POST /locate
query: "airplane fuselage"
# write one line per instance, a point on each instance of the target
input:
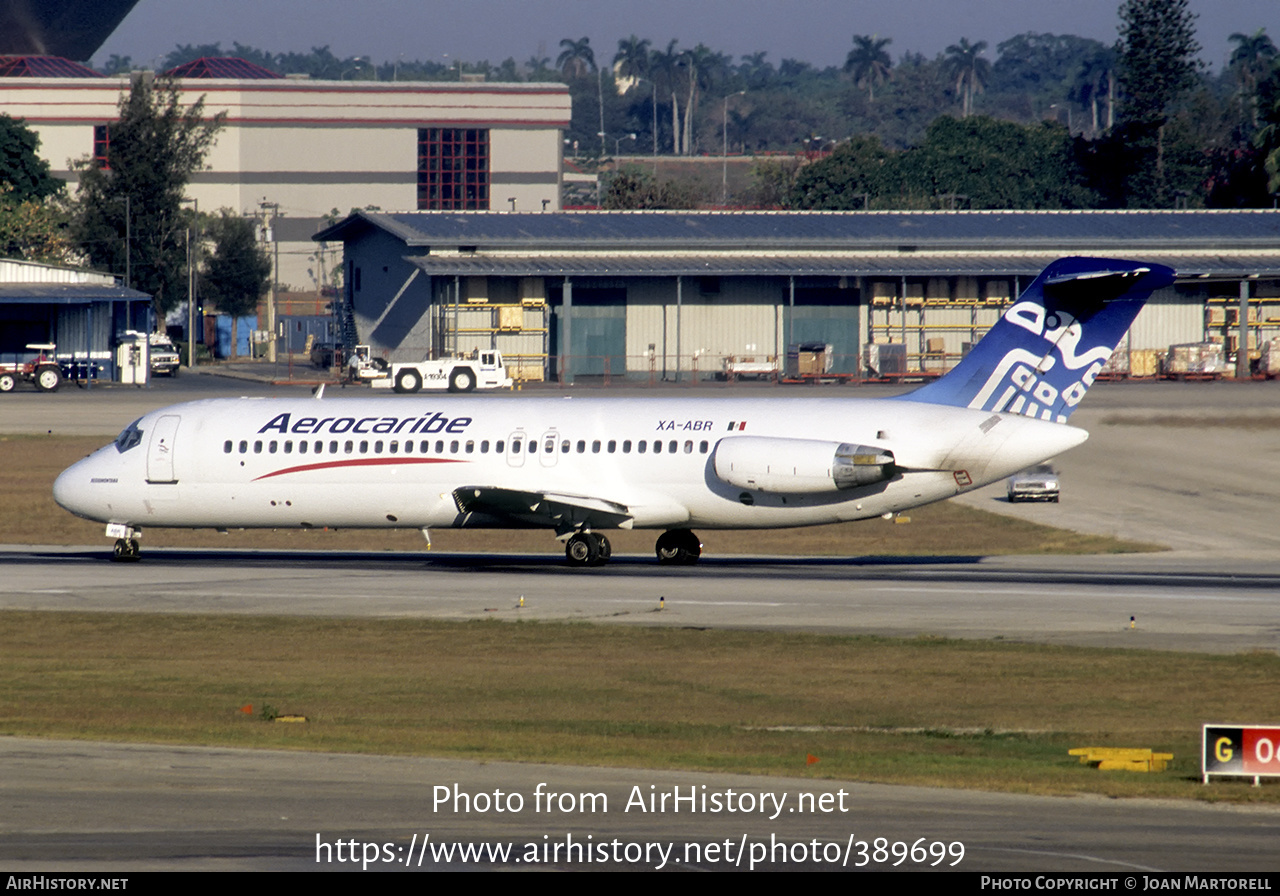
(397, 462)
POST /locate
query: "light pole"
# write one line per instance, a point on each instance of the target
(724, 150)
(617, 141)
(193, 254)
(270, 233)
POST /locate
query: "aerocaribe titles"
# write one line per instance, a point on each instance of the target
(426, 423)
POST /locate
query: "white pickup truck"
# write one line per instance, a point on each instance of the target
(480, 370)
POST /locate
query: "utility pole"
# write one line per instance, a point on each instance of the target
(269, 233)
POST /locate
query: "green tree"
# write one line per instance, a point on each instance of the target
(969, 70)
(1251, 61)
(33, 229)
(128, 215)
(848, 179)
(236, 273)
(1157, 65)
(21, 168)
(1158, 52)
(982, 163)
(576, 59)
(631, 188)
(869, 63)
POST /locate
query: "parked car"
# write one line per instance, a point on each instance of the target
(164, 355)
(1038, 483)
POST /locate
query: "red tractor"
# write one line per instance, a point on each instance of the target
(42, 371)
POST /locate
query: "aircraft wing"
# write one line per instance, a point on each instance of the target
(565, 512)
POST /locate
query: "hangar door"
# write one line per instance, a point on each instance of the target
(598, 331)
(828, 316)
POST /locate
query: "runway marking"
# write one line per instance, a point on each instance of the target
(1083, 593)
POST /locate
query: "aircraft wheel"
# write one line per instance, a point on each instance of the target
(679, 547)
(408, 381)
(127, 550)
(48, 378)
(582, 550)
(7, 382)
(463, 379)
(604, 550)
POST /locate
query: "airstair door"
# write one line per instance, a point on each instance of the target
(160, 449)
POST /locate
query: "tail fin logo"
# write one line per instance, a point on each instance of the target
(1028, 391)
(1048, 348)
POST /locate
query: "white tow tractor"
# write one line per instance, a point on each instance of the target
(479, 370)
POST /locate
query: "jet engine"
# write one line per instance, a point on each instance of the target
(800, 466)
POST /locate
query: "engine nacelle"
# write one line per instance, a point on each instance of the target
(799, 466)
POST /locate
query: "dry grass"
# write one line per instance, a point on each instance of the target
(871, 709)
(28, 515)
(1249, 422)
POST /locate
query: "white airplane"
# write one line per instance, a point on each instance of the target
(583, 466)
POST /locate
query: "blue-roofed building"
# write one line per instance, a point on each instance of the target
(678, 294)
(88, 316)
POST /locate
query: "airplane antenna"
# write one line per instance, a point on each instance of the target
(319, 392)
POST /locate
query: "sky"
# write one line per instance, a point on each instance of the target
(815, 31)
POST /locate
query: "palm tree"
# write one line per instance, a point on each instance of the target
(869, 62)
(665, 67)
(537, 67)
(1095, 80)
(1252, 59)
(701, 65)
(755, 71)
(576, 59)
(965, 63)
(631, 62)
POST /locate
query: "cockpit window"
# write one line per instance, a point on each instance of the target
(130, 437)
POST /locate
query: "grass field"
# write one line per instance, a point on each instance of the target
(978, 715)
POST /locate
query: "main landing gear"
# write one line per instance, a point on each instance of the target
(679, 547)
(588, 549)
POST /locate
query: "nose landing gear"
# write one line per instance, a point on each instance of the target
(127, 549)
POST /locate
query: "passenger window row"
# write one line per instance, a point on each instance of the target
(379, 446)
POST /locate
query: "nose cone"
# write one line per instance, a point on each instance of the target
(78, 490)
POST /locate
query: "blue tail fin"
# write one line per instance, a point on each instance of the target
(1045, 351)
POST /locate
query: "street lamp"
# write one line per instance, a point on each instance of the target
(618, 141)
(193, 254)
(724, 150)
(270, 232)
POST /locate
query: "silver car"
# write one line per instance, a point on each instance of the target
(1038, 483)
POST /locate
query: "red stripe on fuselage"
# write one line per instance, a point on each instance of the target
(360, 462)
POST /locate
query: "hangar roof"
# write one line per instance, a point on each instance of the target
(67, 293)
(912, 265)
(917, 244)
(1013, 231)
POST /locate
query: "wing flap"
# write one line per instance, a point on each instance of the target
(564, 512)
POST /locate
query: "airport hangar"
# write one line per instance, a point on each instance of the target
(295, 149)
(583, 296)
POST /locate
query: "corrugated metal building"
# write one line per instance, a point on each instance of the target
(672, 294)
(85, 314)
